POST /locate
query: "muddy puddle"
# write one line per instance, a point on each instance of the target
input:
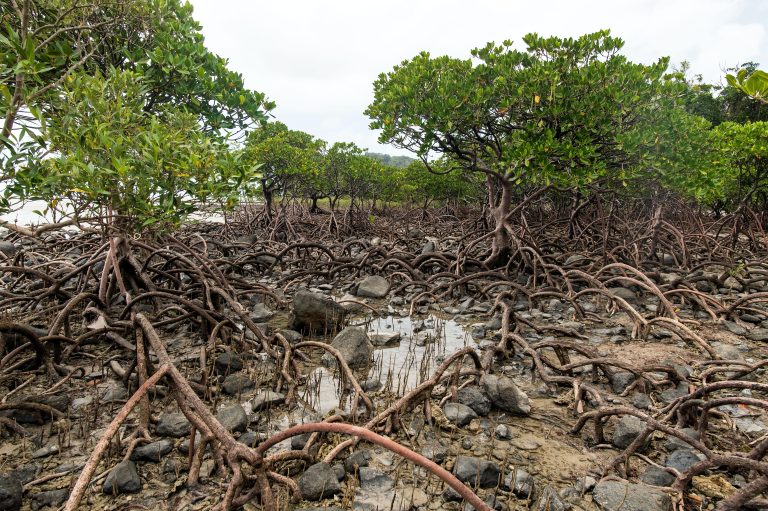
(419, 345)
(423, 345)
(400, 366)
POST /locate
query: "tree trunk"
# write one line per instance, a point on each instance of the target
(267, 200)
(501, 248)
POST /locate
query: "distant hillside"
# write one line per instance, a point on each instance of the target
(394, 161)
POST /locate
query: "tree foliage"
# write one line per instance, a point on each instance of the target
(179, 70)
(286, 159)
(45, 43)
(743, 161)
(556, 112)
(128, 105)
(752, 82)
(115, 159)
(440, 182)
(388, 159)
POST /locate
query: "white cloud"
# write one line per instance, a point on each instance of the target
(318, 60)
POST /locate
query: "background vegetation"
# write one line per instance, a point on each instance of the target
(118, 111)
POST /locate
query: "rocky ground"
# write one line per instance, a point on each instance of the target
(508, 434)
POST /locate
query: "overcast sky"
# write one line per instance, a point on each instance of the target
(318, 58)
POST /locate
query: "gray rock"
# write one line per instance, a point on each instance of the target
(264, 328)
(267, 399)
(266, 260)
(758, 334)
(171, 468)
(683, 459)
(614, 495)
(623, 292)
(520, 482)
(641, 401)
(10, 492)
(575, 259)
(45, 451)
(492, 501)
(668, 260)
(451, 495)
(728, 351)
(628, 428)
(617, 330)
(385, 339)
(298, 442)
(357, 460)
(26, 472)
(402, 499)
(355, 348)
(734, 328)
(673, 443)
(476, 471)
(81, 402)
(656, 476)
(669, 395)
(466, 304)
(318, 482)
(502, 432)
(477, 331)
(428, 247)
(261, 314)
(371, 385)
(474, 397)
(292, 336)
(173, 425)
(183, 447)
(739, 481)
(237, 384)
(352, 303)
(341, 474)
(153, 451)
(435, 451)
(526, 444)
(248, 239)
(115, 392)
(7, 248)
(423, 338)
(374, 480)
(621, 380)
(493, 324)
(458, 413)
(58, 401)
(584, 484)
(122, 479)
(251, 438)
(750, 426)
(373, 287)
(549, 500)
(314, 312)
(233, 418)
(228, 363)
(505, 395)
(50, 498)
